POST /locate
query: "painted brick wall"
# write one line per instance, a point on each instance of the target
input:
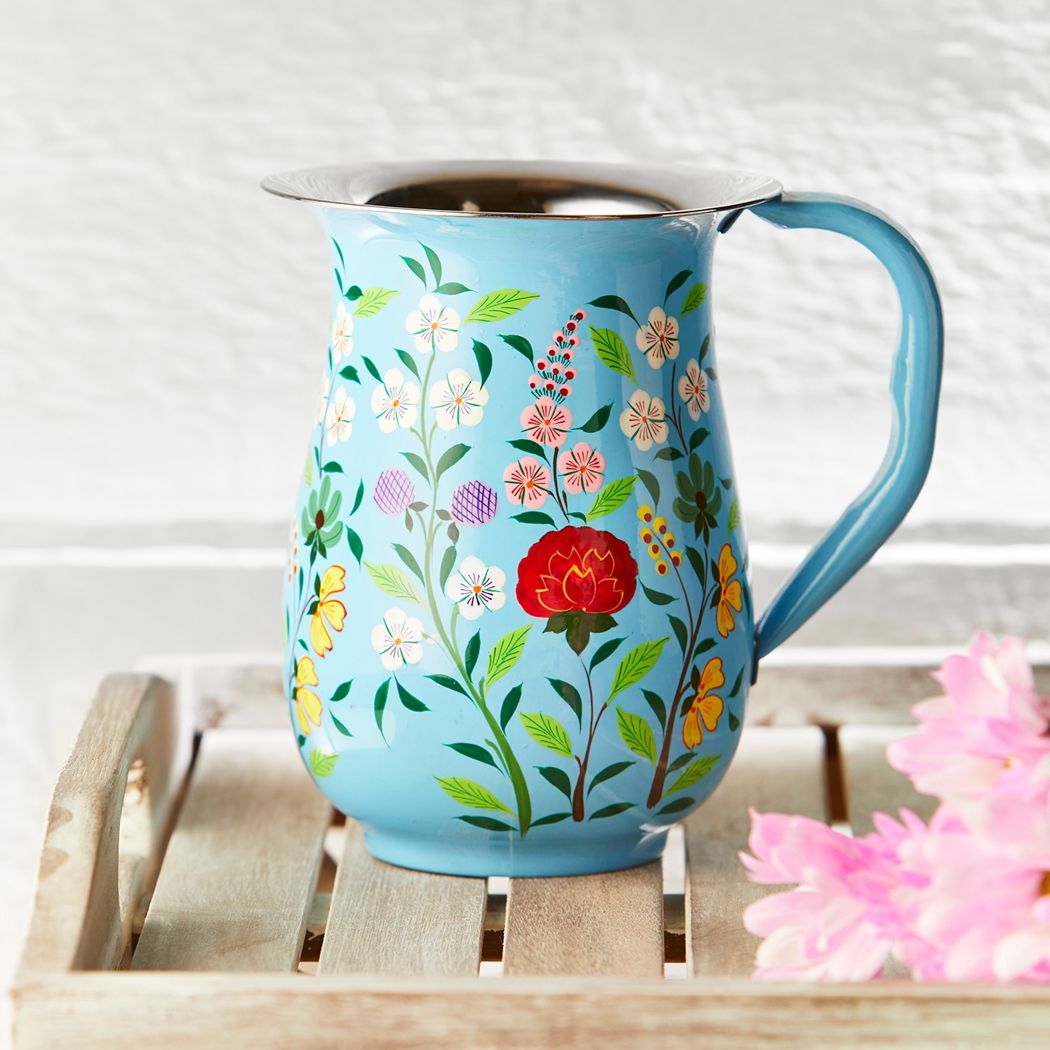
(163, 321)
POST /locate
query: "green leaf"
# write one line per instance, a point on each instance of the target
(447, 682)
(657, 597)
(733, 521)
(450, 457)
(604, 651)
(551, 818)
(416, 267)
(636, 665)
(558, 777)
(380, 704)
(408, 361)
(483, 356)
(358, 496)
(521, 344)
(675, 806)
(451, 288)
(656, 705)
(393, 581)
(669, 454)
(321, 763)
(676, 282)
(353, 293)
(474, 751)
(571, 695)
(598, 420)
(651, 484)
(339, 725)
(342, 692)
(613, 302)
(510, 705)
(736, 685)
(694, 772)
(703, 645)
(339, 252)
(534, 517)
(734, 722)
(682, 760)
(338, 280)
(409, 559)
(373, 300)
(301, 739)
(409, 700)
(704, 347)
(696, 560)
(331, 467)
(357, 548)
(470, 793)
(611, 811)
(608, 773)
(349, 372)
(505, 654)
(611, 496)
(500, 304)
(636, 734)
(525, 445)
(697, 438)
(471, 653)
(418, 462)
(434, 261)
(694, 298)
(548, 732)
(372, 370)
(680, 632)
(448, 563)
(488, 824)
(612, 351)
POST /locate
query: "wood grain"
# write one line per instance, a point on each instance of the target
(129, 1011)
(238, 878)
(774, 769)
(871, 783)
(104, 836)
(599, 925)
(387, 920)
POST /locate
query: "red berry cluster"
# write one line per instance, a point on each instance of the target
(555, 372)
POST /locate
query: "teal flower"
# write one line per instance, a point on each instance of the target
(320, 525)
(699, 497)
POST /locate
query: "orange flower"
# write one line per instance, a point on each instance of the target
(706, 706)
(731, 594)
(307, 703)
(327, 609)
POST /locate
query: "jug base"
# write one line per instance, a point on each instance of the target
(512, 857)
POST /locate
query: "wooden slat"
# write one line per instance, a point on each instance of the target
(871, 783)
(129, 1011)
(104, 836)
(778, 770)
(387, 920)
(599, 925)
(238, 877)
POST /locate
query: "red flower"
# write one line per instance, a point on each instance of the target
(576, 570)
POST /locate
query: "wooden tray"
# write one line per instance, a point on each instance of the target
(197, 891)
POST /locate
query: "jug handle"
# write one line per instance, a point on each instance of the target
(914, 388)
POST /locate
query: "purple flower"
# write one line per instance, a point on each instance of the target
(473, 503)
(393, 491)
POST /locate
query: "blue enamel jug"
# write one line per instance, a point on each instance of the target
(519, 630)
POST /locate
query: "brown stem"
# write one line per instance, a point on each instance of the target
(592, 724)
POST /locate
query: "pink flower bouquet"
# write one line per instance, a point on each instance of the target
(965, 897)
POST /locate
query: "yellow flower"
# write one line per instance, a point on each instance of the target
(307, 702)
(645, 513)
(327, 609)
(647, 536)
(706, 706)
(676, 558)
(661, 567)
(731, 595)
(655, 550)
(660, 524)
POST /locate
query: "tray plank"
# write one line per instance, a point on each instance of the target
(774, 769)
(607, 925)
(387, 920)
(239, 874)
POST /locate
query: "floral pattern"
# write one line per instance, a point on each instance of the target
(649, 712)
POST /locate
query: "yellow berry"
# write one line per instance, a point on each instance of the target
(676, 557)
(660, 524)
(661, 567)
(645, 512)
(647, 536)
(669, 540)
(654, 550)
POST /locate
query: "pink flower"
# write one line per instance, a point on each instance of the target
(583, 468)
(546, 422)
(528, 481)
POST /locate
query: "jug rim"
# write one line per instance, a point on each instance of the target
(548, 190)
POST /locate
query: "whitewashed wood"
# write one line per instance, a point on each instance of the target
(100, 848)
(238, 878)
(129, 1011)
(607, 925)
(387, 920)
(774, 770)
(871, 783)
